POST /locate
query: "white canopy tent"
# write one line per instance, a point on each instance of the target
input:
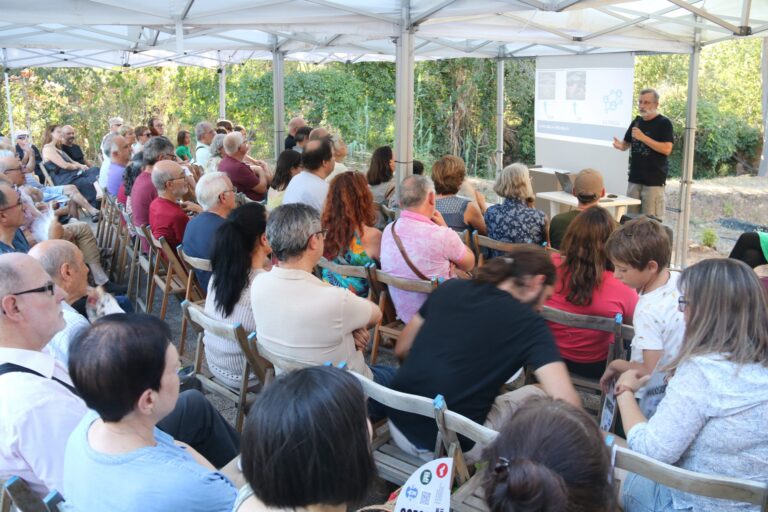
(112, 34)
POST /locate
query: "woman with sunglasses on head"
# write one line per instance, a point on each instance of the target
(713, 416)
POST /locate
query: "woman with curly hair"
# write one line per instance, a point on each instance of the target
(350, 239)
(586, 286)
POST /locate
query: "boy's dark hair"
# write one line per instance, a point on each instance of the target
(116, 359)
(306, 440)
(302, 133)
(418, 167)
(638, 242)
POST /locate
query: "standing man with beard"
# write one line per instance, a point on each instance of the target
(650, 136)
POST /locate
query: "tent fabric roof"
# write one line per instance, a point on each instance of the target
(207, 33)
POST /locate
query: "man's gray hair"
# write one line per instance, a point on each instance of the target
(289, 229)
(106, 143)
(5, 187)
(114, 147)
(210, 186)
(217, 143)
(414, 190)
(10, 277)
(115, 120)
(161, 177)
(156, 148)
(651, 91)
(232, 142)
(55, 255)
(201, 128)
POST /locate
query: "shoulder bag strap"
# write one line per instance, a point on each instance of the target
(408, 261)
(11, 368)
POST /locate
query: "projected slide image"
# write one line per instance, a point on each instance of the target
(590, 105)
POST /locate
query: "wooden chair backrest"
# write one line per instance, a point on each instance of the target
(23, 497)
(233, 332)
(380, 281)
(48, 180)
(598, 323)
(344, 270)
(701, 484)
(405, 402)
(196, 263)
(481, 242)
(388, 213)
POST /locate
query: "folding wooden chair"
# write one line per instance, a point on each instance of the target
(481, 242)
(389, 327)
(712, 486)
(173, 280)
(263, 369)
(344, 270)
(146, 264)
(394, 464)
(48, 180)
(191, 264)
(25, 499)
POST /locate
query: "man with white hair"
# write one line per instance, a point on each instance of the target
(114, 125)
(293, 125)
(41, 407)
(216, 195)
(204, 134)
(250, 180)
(168, 213)
(120, 155)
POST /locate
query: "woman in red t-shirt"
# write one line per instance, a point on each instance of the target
(586, 286)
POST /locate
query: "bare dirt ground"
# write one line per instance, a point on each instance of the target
(727, 206)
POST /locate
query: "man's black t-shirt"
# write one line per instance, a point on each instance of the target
(474, 337)
(646, 166)
(75, 153)
(290, 142)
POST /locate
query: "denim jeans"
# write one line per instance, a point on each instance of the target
(381, 375)
(643, 495)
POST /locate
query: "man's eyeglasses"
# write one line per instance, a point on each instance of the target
(322, 233)
(183, 176)
(18, 203)
(21, 137)
(681, 303)
(14, 169)
(48, 287)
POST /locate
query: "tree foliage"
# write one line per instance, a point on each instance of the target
(455, 103)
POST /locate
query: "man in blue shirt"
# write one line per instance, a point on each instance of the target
(216, 195)
(11, 219)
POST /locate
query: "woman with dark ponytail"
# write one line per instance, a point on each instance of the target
(549, 457)
(240, 252)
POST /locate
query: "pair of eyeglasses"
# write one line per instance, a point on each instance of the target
(14, 169)
(681, 303)
(322, 232)
(21, 136)
(48, 287)
(179, 178)
(18, 203)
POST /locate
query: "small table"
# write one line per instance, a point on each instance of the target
(560, 202)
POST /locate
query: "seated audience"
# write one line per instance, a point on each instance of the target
(470, 337)
(300, 318)
(204, 134)
(183, 141)
(309, 186)
(40, 406)
(587, 286)
(129, 134)
(144, 191)
(339, 153)
(120, 155)
(303, 424)
(549, 456)
(12, 238)
(419, 245)
(225, 124)
(240, 252)
(293, 125)
(216, 196)
(168, 213)
(513, 221)
(142, 137)
(418, 167)
(588, 188)
(751, 248)
(319, 133)
(250, 180)
(74, 151)
(29, 155)
(640, 252)
(349, 238)
(115, 123)
(302, 138)
(458, 212)
(288, 165)
(132, 171)
(125, 369)
(63, 170)
(381, 175)
(156, 126)
(241, 130)
(712, 417)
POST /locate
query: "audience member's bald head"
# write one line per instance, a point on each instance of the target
(165, 171)
(294, 124)
(318, 133)
(414, 190)
(52, 254)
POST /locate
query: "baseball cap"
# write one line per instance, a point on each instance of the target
(115, 120)
(20, 133)
(588, 185)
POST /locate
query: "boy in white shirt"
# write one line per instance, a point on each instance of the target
(640, 252)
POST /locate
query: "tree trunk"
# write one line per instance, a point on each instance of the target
(764, 158)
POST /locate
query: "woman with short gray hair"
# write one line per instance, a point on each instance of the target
(217, 153)
(513, 220)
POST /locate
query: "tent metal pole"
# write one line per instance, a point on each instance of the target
(223, 91)
(404, 66)
(763, 171)
(499, 113)
(686, 179)
(8, 95)
(278, 98)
